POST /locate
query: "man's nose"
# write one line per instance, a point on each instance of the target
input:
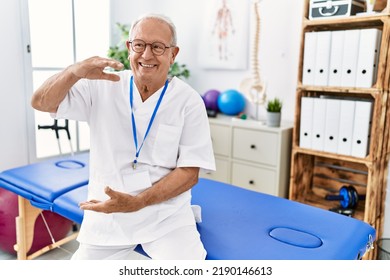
(148, 51)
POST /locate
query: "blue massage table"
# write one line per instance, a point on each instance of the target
(236, 223)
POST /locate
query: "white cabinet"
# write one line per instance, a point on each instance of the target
(251, 155)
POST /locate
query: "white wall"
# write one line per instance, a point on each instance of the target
(279, 43)
(13, 117)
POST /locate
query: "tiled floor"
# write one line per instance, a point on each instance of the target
(63, 253)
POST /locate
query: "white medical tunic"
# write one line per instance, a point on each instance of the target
(179, 137)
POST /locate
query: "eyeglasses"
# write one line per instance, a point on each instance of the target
(157, 48)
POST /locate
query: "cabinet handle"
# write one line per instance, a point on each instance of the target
(251, 182)
(253, 146)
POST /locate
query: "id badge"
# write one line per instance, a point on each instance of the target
(136, 182)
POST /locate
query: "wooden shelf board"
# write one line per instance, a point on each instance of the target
(340, 90)
(346, 22)
(366, 161)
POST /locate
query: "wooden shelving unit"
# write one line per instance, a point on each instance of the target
(314, 173)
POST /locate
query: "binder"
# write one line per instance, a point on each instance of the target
(336, 58)
(322, 58)
(347, 116)
(318, 125)
(361, 128)
(305, 134)
(350, 57)
(309, 56)
(332, 120)
(369, 44)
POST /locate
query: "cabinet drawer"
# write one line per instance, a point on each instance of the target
(254, 178)
(220, 136)
(222, 172)
(256, 146)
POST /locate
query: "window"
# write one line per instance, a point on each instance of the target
(61, 33)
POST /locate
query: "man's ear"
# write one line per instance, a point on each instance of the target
(174, 53)
(128, 45)
(128, 49)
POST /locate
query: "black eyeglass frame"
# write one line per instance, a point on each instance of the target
(151, 46)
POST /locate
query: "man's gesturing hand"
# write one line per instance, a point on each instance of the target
(93, 68)
(118, 202)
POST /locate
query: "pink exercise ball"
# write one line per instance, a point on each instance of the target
(58, 225)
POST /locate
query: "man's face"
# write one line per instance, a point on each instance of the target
(146, 66)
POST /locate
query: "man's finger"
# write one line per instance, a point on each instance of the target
(110, 192)
(116, 65)
(110, 77)
(94, 206)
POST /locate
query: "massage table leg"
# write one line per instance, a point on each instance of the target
(25, 227)
(25, 224)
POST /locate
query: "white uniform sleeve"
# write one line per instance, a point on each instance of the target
(195, 147)
(77, 103)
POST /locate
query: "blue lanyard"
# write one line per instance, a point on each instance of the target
(137, 151)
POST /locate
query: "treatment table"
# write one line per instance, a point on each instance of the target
(236, 223)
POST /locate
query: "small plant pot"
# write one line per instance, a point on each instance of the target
(273, 119)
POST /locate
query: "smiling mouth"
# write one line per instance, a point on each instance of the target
(146, 65)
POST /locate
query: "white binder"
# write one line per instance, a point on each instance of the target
(361, 128)
(347, 116)
(336, 58)
(305, 132)
(369, 44)
(350, 57)
(309, 58)
(332, 120)
(318, 125)
(322, 58)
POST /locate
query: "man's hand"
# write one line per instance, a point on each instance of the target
(51, 93)
(93, 68)
(175, 183)
(118, 202)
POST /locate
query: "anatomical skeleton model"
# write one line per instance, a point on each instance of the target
(254, 88)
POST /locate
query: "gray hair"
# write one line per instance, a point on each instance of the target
(160, 18)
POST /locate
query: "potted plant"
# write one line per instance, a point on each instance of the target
(274, 112)
(119, 52)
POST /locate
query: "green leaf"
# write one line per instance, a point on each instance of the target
(274, 105)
